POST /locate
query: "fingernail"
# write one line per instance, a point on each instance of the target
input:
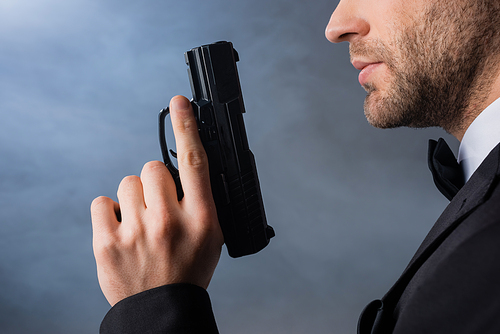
(179, 103)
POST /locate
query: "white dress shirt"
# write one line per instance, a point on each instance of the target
(480, 138)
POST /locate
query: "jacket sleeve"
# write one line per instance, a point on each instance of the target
(172, 309)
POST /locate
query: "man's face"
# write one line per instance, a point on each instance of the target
(423, 63)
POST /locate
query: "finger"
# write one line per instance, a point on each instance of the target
(103, 211)
(158, 185)
(131, 198)
(191, 156)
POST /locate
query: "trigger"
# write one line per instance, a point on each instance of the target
(173, 153)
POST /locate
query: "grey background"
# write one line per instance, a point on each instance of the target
(81, 83)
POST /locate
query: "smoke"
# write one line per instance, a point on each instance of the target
(80, 87)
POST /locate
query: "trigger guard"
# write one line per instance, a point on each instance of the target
(164, 151)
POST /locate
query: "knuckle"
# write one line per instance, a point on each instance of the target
(169, 226)
(153, 166)
(154, 172)
(130, 236)
(188, 124)
(167, 236)
(207, 224)
(99, 202)
(194, 158)
(128, 182)
(105, 246)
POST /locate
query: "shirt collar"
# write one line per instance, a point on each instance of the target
(480, 138)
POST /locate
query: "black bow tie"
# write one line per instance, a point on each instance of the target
(447, 173)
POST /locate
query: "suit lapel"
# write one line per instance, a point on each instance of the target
(472, 194)
(378, 316)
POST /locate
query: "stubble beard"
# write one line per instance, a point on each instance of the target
(440, 69)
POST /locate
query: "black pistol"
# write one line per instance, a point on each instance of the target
(218, 107)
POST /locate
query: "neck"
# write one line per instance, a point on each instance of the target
(487, 94)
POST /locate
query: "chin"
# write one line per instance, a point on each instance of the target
(381, 116)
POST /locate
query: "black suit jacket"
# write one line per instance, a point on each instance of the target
(172, 309)
(452, 284)
(457, 289)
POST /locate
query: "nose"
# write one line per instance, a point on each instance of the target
(346, 23)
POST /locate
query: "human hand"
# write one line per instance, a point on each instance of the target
(158, 239)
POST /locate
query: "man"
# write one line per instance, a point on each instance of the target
(423, 63)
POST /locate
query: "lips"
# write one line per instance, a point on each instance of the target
(366, 68)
